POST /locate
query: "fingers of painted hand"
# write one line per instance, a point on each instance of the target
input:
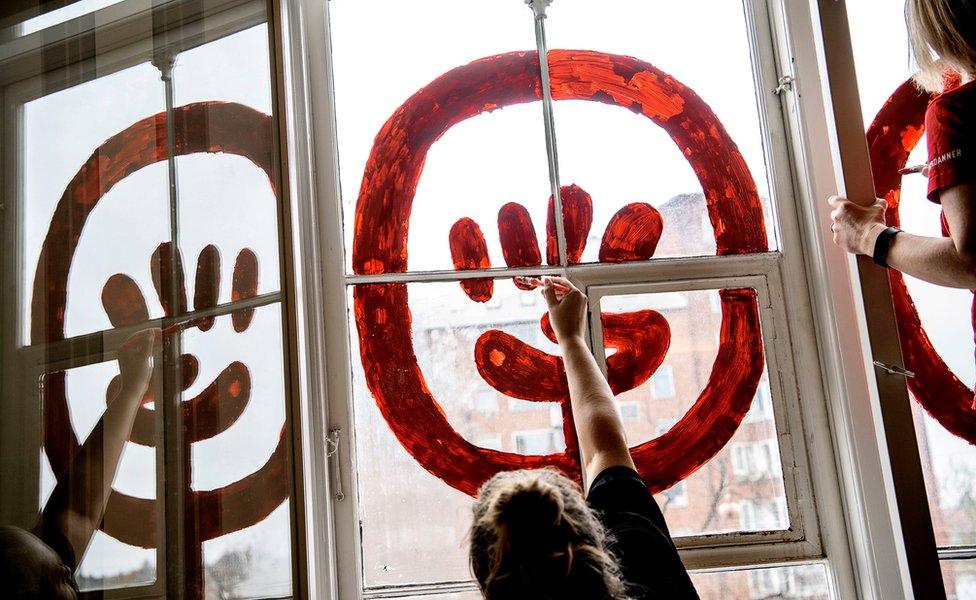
(567, 309)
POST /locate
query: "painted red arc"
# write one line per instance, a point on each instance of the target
(208, 127)
(892, 136)
(380, 246)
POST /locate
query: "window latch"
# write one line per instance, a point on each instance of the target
(332, 451)
(784, 84)
(893, 370)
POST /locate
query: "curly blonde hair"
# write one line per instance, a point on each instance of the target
(534, 536)
(943, 37)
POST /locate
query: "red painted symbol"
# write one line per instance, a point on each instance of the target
(203, 127)
(641, 339)
(892, 136)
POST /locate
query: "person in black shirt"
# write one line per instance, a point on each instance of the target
(534, 536)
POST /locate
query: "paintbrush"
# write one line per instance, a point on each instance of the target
(537, 282)
(912, 170)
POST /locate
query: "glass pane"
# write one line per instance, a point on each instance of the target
(479, 165)
(251, 563)
(741, 487)
(240, 461)
(949, 462)
(226, 201)
(413, 524)
(73, 10)
(122, 553)
(103, 243)
(60, 133)
(960, 579)
(620, 156)
(808, 582)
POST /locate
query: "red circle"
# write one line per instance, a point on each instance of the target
(892, 136)
(380, 246)
(201, 127)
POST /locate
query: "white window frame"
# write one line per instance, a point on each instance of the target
(124, 34)
(853, 491)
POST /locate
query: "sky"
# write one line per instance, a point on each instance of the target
(384, 51)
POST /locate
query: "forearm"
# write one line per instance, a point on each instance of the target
(935, 260)
(78, 502)
(598, 426)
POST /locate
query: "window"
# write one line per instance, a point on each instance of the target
(109, 230)
(662, 382)
(761, 515)
(629, 411)
(486, 400)
(536, 442)
(675, 496)
(762, 406)
(756, 460)
(949, 461)
(435, 241)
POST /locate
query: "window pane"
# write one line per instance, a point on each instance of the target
(79, 397)
(131, 220)
(949, 462)
(619, 157)
(226, 201)
(414, 524)
(741, 488)
(479, 165)
(102, 245)
(960, 579)
(242, 461)
(801, 581)
(72, 11)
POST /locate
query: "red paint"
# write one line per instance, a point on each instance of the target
(470, 251)
(632, 234)
(893, 134)
(167, 274)
(207, 283)
(577, 219)
(710, 423)
(123, 301)
(202, 127)
(380, 246)
(520, 246)
(244, 286)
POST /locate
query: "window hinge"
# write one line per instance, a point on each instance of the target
(893, 370)
(784, 84)
(332, 451)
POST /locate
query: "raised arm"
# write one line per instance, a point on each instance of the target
(77, 504)
(949, 262)
(601, 434)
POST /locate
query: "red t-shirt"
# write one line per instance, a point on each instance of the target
(950, 126)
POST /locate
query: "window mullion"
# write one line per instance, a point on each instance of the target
(552, 154)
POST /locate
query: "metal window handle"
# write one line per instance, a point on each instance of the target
(893, 370)
(784, 84)
(332, 451)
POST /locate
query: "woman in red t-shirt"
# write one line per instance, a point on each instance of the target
(943, 34)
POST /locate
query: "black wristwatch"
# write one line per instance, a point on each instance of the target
(883, 244)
